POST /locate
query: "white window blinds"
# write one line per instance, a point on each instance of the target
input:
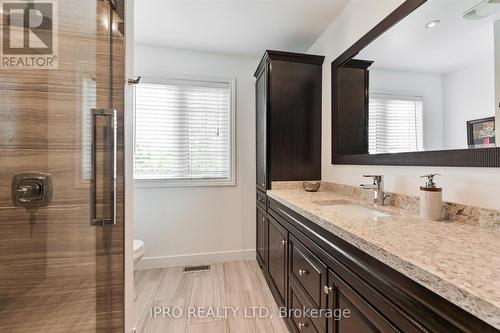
(395, 124)
(183, 131)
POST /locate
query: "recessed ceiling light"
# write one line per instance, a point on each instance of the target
(432, 24)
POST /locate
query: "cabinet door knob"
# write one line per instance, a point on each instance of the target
(302, 325)
(327, 289)
(303, 272)
(283, 242)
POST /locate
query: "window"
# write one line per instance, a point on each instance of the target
(395, 124)
(184, 132)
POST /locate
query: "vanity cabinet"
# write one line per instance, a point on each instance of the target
(360, 316)
(344, 290)
(277, 264)
(288, 137)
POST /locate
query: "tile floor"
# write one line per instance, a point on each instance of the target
(234, 287)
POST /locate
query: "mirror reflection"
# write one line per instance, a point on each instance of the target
(427, 84)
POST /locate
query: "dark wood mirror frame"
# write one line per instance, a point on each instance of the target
(482, 157)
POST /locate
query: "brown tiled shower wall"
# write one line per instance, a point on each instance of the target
(58, 273)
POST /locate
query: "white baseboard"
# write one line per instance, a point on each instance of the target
(195, 259)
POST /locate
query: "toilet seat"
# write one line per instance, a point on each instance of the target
(137, 253)
(138, 246)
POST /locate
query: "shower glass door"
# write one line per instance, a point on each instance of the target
(61, 166)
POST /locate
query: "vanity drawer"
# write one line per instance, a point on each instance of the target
(298, 310)
(309, 271)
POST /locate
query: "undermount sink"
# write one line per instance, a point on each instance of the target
(346, 208)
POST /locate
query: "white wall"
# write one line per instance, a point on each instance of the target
(428, 86)
(496, 36)
(194, 225)
(469, 93)
(474, 186)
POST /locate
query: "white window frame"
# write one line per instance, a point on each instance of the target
(158, 183)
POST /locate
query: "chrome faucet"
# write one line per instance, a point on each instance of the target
(378, 189)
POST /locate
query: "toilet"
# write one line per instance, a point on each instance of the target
(138, 252)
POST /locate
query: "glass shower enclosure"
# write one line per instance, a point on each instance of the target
(62, 65)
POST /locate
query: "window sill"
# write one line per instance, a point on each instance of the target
(160, 183)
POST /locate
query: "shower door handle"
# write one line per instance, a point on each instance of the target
(111, 136)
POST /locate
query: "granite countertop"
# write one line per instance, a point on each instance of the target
(457, 261)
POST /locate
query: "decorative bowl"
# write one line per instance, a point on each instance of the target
(311, 186)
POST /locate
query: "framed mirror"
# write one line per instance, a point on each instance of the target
(422, 88)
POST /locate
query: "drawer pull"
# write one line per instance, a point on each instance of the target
(327, 289)
(303, 272)
(283, 242)
(302, 325)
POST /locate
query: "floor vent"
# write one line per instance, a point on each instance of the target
(197, 269)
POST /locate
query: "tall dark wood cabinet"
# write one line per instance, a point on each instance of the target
(288, 98)
(261, 130)
(288, 128)
(353, 90)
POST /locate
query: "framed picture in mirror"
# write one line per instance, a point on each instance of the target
(481, 133)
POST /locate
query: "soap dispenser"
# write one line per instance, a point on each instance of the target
(431, 199)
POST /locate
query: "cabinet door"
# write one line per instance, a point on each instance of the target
(262, 230)
(277, 263)
(353, 97)
(362, 316)
(261, 134)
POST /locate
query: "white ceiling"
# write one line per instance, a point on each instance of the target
(453, 44)
(243, 27)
